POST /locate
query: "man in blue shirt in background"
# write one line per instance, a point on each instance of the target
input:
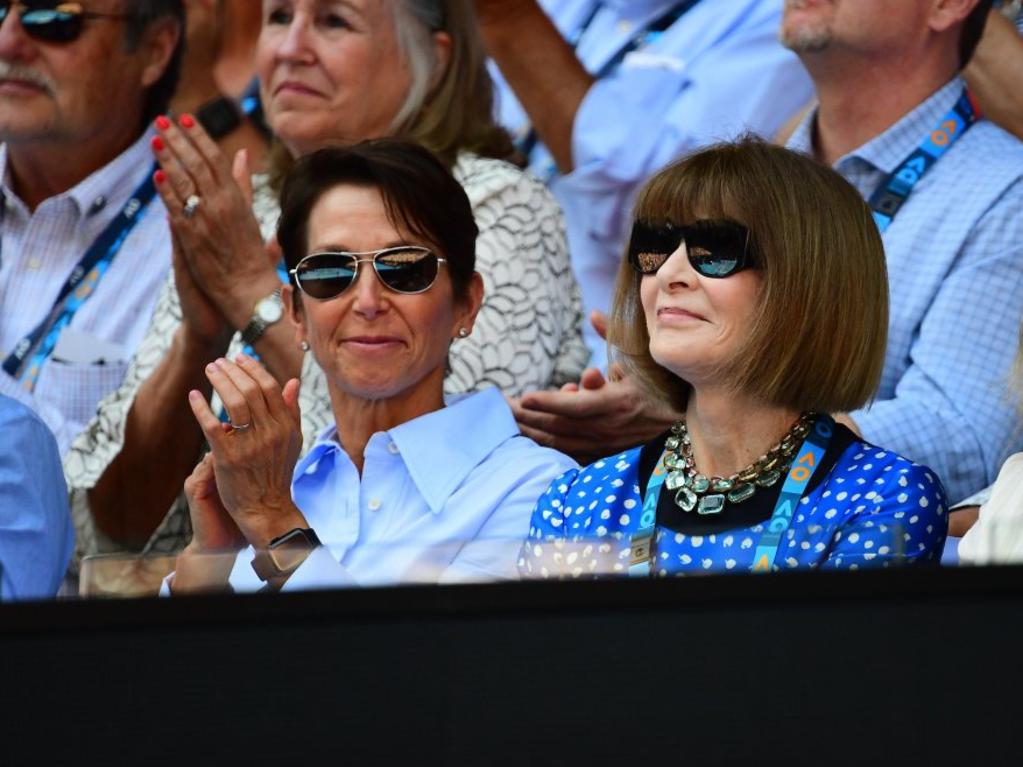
(36, 535)
(887, 79)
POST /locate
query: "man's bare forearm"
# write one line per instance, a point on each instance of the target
(995, 74)
(162, 442)
(541, 68)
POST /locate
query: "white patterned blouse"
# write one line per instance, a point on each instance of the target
(527, 335)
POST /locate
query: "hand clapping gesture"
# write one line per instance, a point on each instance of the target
(209, 205)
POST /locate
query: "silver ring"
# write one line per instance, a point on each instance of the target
(191, 205)
(240, 426)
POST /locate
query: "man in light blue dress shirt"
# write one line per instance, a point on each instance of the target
(886, 76)
(610, 91)
(36, 535)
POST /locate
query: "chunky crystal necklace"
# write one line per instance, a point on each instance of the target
(708, 495)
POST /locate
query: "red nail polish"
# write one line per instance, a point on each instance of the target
(157, 144)
(162, 123)
(159, 177)
(187, 121)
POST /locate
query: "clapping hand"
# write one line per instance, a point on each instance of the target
(594, 418)
(209, 205)
(253, 455)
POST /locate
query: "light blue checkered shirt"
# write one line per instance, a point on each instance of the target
(955, 267)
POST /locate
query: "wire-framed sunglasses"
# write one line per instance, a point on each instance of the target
(405, 269)
(51, 21)
(716, 248)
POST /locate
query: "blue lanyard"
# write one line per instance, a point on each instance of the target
(80, 286)
(893, 192)
(798, 479)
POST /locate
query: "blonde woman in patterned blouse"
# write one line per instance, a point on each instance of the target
(332, 74)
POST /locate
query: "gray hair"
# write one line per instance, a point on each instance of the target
(415, 21)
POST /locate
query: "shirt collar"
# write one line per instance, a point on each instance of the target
(888, 149)
(439, 449)
(113, 183)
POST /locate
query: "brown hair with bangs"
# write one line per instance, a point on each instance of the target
(818, 333)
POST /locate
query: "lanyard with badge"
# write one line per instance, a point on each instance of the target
(32, 351)
(644, 36)
(893, 192)
(797, 481)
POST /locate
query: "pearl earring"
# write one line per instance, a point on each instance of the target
(463, 333)
(305, 346)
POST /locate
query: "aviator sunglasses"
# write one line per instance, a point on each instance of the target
(716, 249)
(405, 269)
(53, 22)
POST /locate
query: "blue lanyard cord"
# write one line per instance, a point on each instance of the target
(80, 286)
(797, 481)
(893, 192)
(647, 33)
(282, 272)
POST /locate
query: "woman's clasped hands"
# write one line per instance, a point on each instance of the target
(240, 493)
(209, 207)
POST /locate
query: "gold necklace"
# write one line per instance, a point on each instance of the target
(708, 495)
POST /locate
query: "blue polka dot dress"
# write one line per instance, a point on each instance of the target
(872, 508)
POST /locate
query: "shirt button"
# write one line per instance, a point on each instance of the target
(34, 264)
(624, 27)
(374, 504)
(392, 449)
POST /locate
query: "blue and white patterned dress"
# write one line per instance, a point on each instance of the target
(873, 508)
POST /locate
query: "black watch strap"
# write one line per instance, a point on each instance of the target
(219, 117)
(285, 553)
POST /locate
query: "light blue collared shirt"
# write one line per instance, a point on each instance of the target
(36, 534)
(446, 497)
(955, 270)
(715, 73)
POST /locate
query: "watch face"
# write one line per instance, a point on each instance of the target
(289, 551)
(270, 310)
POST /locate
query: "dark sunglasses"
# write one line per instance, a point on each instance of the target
(716, 249)
(405, 269)
(53, 22)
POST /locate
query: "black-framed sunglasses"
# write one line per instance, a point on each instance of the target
(405, 269)
(716, 248)
(51, 21)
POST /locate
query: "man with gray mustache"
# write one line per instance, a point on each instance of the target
(84, 246)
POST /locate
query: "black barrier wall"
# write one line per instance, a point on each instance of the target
(862, 668)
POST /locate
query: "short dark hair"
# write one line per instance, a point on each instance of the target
(418, 190)
(144, 13)
(972, 31)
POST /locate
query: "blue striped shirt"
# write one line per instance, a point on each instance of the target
(955, 266)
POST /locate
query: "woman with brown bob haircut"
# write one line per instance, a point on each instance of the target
(754, 299)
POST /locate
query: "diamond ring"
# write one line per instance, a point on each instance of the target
(191, 205)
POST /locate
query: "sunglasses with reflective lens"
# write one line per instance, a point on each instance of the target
(716, 249)
(405, 269)
(53, 22)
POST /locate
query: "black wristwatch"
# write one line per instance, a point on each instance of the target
(285, 553)
(219, 117)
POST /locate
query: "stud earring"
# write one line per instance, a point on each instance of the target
(463, 333)
(305, 346)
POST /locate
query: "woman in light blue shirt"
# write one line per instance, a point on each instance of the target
(379, 241)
